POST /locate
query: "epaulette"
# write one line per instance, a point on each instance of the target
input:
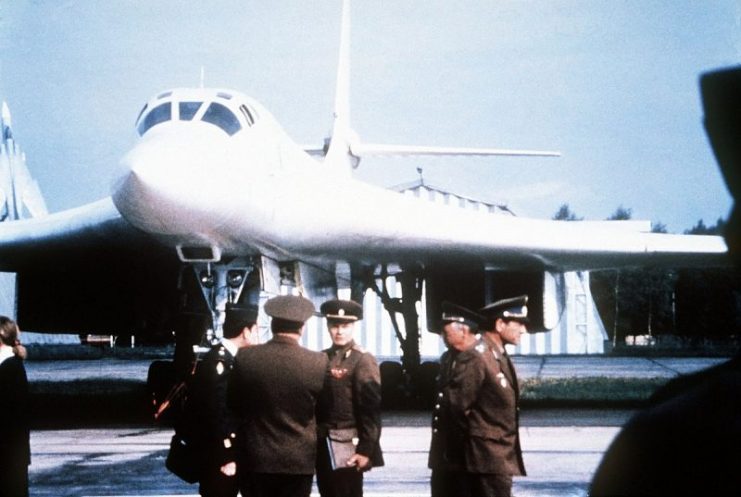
(358, 348)
(221, 360)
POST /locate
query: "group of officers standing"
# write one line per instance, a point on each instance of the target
(266, 414)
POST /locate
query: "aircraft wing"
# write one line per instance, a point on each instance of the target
(90, 232)
(305, 216)
(87, 270)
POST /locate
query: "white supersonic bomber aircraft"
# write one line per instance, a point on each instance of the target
(216, 204)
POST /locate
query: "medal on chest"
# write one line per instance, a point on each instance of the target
(338, 373)
(501, 379)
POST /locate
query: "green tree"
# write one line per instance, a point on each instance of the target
(564, 213)
(621, 214)
(708, 301)
(635, 301)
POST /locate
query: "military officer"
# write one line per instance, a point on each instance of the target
(274, 392)
(484, 397)
(214, 425)
(459, 326)
(351, 401)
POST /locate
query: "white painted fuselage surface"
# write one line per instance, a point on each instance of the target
(189, 183)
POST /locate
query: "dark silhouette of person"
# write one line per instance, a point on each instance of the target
(15, 450)
(688, 440)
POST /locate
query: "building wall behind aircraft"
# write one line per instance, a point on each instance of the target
(578, 331)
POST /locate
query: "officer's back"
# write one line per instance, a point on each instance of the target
(279, 383)
(274, 392)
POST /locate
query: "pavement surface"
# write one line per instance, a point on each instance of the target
(562, 447)
(527, 367)
(560, 460)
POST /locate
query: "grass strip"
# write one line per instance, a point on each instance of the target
(590, 391)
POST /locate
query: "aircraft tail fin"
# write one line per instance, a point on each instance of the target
(337, 147)
(20, 195)
(343, 149)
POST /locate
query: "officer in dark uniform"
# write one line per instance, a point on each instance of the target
(274, 393)
(351, 401)
(448, 479)
(484, 398)
(214, 426)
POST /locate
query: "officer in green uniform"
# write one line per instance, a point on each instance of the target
(214, 424)
(484, 401)
(274, 393)
(448, 479)
(350, 405)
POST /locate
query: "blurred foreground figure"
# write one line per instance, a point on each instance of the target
(15, 451)
(688, 442)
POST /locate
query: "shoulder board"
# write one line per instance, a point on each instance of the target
(358, 348)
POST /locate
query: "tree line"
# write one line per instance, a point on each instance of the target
(693, 304)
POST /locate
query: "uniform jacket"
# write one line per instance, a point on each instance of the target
(447, 443)
(214, 425)
(352, 398)
(274, 393)
(14, 442)
(484, 397)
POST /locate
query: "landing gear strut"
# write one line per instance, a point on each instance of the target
(410, 279)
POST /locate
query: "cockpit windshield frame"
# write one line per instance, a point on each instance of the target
(188, 107)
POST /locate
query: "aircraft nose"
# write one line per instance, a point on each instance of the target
(164, 178)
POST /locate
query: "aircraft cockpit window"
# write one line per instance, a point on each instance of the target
(188, 110)
(222, 117)
(248, 115)
(141, 112)
(159, 114)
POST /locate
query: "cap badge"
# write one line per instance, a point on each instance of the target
(341, 312)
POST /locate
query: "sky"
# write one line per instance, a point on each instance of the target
(612, 85)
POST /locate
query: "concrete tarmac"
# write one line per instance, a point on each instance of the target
(131, 461)
(562, 448)
(527, 367)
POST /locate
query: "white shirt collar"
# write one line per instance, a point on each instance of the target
(6, 353)
(229, 345)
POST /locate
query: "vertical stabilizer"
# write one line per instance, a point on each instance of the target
(345, 149)
(5, 122)
(18, 190)
(338, 154)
